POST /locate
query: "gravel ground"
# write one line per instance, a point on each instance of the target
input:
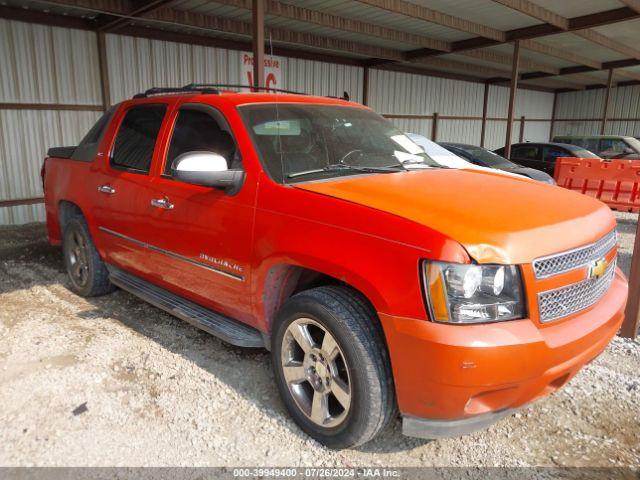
(113, 381)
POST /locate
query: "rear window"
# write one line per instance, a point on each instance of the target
(136, 138)
(88, 146)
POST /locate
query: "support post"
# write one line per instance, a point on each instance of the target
(365, 86)
(257, 40)
(104, 71)
(521, 129)
(631, 322)
(512, 97)
(434, 127)
(483, 128)
(553, 115)
(605, 108)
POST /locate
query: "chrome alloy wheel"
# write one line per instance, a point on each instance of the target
(77, 251)
(316, 372)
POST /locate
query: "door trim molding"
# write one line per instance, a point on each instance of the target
(171, 254)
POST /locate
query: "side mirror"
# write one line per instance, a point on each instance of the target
(208, 169)
(628, 150)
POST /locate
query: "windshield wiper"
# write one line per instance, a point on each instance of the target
(337, 167)
(411, 162)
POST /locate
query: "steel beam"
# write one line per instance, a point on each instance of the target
(21, 201)
(631, 322)
(51, 106)
(553, 115)
(257, 41)
(512, 97)
(605, 107)
(485, 103)
(365, 86)
(104, 71)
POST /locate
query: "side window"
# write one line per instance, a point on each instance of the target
(88, 146)
(612, 145)
(525, 152)
(591, 144)
(136, 138)
(551, 153)
(198, 129)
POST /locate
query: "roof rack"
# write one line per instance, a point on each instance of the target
(164, 90)
(213, 89)
(199, 86)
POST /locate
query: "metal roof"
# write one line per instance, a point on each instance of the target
(576, 8)
(398, 32)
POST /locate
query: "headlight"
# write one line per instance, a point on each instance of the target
(467, 293)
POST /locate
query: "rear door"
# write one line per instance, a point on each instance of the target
(121, 213)
(527, 155)
(202, 235)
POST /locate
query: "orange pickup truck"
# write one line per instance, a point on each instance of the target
(378, 279)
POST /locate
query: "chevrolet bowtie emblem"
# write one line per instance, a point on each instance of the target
(597, 268)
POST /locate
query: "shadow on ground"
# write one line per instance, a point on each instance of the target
(247, 371)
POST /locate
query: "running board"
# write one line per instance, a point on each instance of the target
(225, 328)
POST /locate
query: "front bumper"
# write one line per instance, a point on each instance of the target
(453, 379)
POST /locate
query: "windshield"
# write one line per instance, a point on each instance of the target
(301, 142)
(634, 143)
(489, 158)
(581, 153)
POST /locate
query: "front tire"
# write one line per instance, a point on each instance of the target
(87, 272)
(332, 367)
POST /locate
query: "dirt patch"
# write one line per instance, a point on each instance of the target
(148, 389)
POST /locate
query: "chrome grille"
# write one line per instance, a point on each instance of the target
(579, 257)
(558, 303)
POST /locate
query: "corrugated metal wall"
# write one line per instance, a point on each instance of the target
(37, 61)
(321, 78)
(394, 93)
(141, 63)
(624, 103)
(136, 64)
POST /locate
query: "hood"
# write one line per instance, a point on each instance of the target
(498, 219)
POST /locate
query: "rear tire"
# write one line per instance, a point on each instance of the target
(332, 367)
(87, 272)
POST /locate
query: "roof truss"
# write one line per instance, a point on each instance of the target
(117, 14)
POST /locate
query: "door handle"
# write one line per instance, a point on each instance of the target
(106, 189)
(162, 203)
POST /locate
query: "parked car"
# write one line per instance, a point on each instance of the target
(542, 156)
(447, 158)
(605, 146)
(487, 158)
(379, 280)
(438, 153)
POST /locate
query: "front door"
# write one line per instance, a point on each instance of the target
(121, 214)
(203, 235)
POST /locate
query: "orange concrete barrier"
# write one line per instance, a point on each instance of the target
(615, 182)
